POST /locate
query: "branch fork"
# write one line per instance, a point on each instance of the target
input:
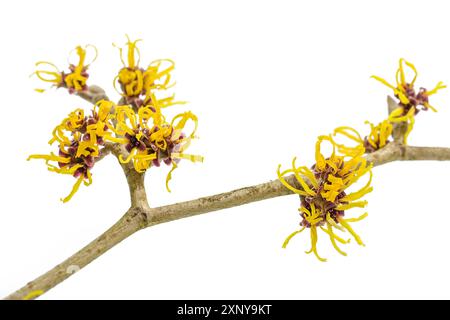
(140, 216)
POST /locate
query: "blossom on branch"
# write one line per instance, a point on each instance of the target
(75, 80)
(150, 140)
(409, 99)
(80, 139)
(137, 122)
(324, 197)
(135, 81)
(377, 138)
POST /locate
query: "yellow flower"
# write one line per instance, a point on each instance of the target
(150, 139)
(377, 138)
(75, 80)
(410, 100)
(69, 161)
(135, 81)
(79, 141)
(324, 196)
(137, 123)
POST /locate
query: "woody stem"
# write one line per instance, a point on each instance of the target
(140, 216)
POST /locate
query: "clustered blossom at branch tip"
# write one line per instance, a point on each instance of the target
(409, 99)
(75, 80)
(137, 123)
(377, 138)
(80, 139)
(136, 83)
(323, 193)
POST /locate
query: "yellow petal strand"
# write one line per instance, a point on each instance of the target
(333, 223)
(438, 87)
(401, 72)
(139, 82)
(350, 151)
(64, 170)
(191, 157)
(360, 193)
(130, 156)
(352, 232)
(396, 113)
(115, 82)
(286, 184)
(384, 82)
(75, 188)
(361, 217)
(413, 68)
(89, 176)
(55, 77)
(143, 156)
(314, 238)
(141, 165)
(350, 133)
(95, 53)
(310, 175)
(357, 204)
(51, 157)
(169, 175)
(48, 63)
(300, 179)
(293, 234)
(401, 96)
(183, 118)
(333, 239)
(429, 106)
(385, 131)
(132, 50)
(336, 237)
(82, 56)
(320, 159)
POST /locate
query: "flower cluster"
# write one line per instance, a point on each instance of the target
(408, 107)
(150, 140)
(323, 187)
(80, 139)
(136, 83)
(324, 196)
(409, 98)
(74, 80)
(377, 138)
(136, 122)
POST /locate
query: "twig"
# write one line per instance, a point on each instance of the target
(274, 188)
(93, 94)
(141, 216)
(399, 128)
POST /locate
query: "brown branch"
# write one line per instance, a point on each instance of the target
(399, 128)
(93, 94)
(135, 179)
(126, 226)
(274, 188)
(140, 216)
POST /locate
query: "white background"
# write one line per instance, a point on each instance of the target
(265, 78)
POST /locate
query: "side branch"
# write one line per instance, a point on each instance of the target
(140, 215)
(126, 226)
(135, 179)
(272, 189)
